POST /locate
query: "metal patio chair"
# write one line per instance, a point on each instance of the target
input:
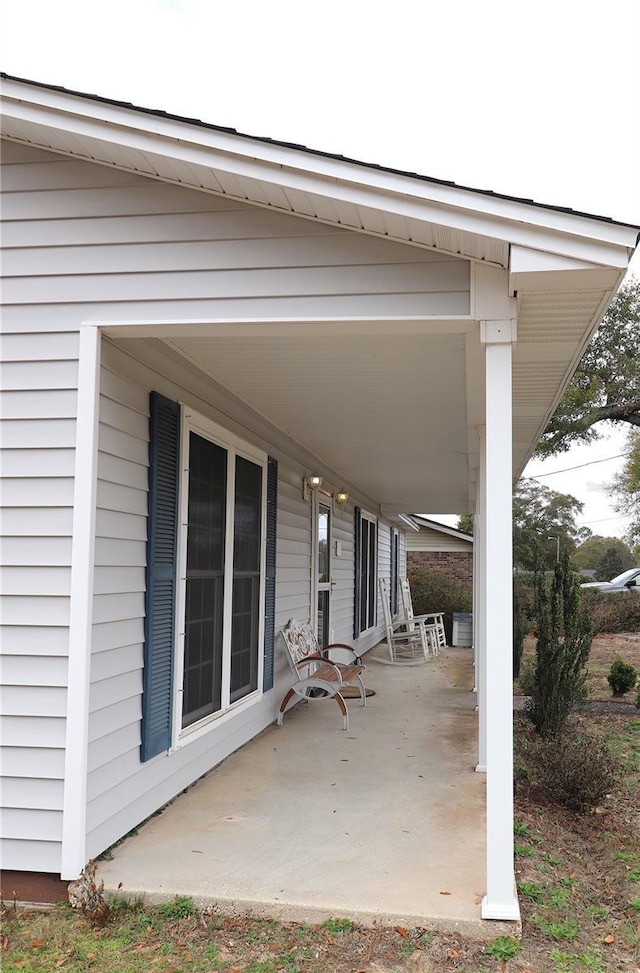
(320, 673)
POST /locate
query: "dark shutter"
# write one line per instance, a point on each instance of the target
(270, 579)
(162, 534)
(357, 561)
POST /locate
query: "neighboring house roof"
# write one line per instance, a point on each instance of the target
(426, 523)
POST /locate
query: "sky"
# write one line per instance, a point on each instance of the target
(533, 99)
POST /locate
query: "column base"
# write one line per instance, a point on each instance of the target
(505, 911)
(481, 768)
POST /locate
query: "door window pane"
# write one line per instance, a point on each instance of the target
(323, 544)
(323, 618)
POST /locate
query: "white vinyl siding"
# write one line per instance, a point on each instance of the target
(82, 243)
(93, 244)
(428, 539)
(384, 562)
(38, 377)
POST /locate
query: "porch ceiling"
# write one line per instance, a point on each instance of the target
(386, 412)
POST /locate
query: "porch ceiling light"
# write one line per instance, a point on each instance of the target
(310, 483)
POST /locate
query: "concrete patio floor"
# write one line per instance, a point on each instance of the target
(382, 823)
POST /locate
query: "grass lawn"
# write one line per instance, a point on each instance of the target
(578, 877)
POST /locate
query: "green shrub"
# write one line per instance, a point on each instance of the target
(638, 698)
(578, 769)
(618, 612)
(503, 948)
(432, 591)
(562, 650)
(521, 626)
(180, 907)
(622, 677)
(527, 677)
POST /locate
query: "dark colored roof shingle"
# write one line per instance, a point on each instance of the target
(303, 148)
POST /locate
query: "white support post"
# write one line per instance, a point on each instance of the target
(481, 664)
(74, 815)
(476, 593)
(501, 900)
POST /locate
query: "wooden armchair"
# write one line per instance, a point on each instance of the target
(407, 645)
(319, 673)
(432, 620)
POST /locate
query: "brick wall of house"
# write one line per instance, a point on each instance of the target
(455, 564)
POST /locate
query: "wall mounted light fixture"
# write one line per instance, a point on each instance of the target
(309, 484)
(341, 497)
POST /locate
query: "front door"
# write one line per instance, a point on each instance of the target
(322, 570)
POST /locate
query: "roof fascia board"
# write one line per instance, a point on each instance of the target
(566, 234)
(533, 270)
(525, 260)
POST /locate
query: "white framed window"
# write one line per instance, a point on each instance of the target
(220, 571)
(210, 579)
(366, 571)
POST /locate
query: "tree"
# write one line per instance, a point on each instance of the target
(543, 524)
(609, 565)
(465, 524)
(562, 651)
(606, 384)
(626, 488)
(588, 554)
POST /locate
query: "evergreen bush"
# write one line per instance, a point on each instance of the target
(562, 650)
(622, 677)
(520, 627)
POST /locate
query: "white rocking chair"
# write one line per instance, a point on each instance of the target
(433, 620)
(328, 670)
(407, 647)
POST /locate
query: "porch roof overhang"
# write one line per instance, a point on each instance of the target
(397, 412)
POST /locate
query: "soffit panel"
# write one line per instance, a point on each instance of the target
(388, 412)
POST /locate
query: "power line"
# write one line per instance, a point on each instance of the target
(592, 462)
(601, 520)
